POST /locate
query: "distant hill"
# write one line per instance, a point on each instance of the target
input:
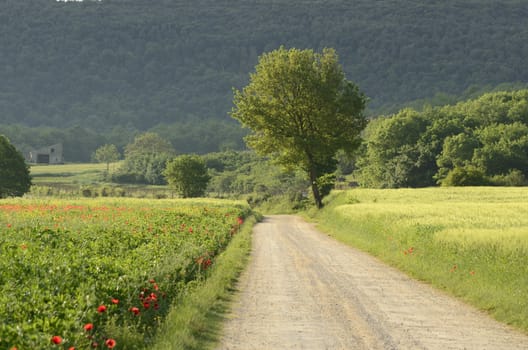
(138, 65)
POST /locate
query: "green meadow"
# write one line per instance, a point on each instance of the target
(87, 180)
(69, 173)
(471, 242)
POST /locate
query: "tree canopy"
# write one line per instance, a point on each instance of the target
(480, 141)
(188, 175)
(145, 160)
(301, 111)
(14, 172)
(106, 154)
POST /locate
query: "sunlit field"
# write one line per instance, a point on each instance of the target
(472, 242)
(69, 173)
(103, 273)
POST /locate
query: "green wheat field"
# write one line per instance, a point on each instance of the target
(470, 242)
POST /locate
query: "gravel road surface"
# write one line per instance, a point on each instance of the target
(304, 290)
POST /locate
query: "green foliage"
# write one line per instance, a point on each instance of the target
(148, 143)
(504, 147)
(106, 154)
(114, 69)
(393, 152)
(201, 136)
(301, 111)
(195, 322)
(79, 143)
(412, 149)
(513, 178)
(188, 175)
(244, 174)
(14, 172)
(145, 64)
(457, 151)
(62, 261)
(468, 175)
(145, 160)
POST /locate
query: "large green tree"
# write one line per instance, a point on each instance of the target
(14, 172)
(302, 110)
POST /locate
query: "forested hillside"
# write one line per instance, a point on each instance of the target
(113, 67)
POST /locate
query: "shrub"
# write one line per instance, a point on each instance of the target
(514, 178)
(468, 175)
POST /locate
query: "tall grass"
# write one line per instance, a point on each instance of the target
(195, 322)
(471, 242)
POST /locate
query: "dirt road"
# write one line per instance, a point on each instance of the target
(303, 290)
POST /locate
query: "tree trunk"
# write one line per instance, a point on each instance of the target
(315, 189)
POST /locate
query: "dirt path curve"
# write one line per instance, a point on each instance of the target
(303, 290)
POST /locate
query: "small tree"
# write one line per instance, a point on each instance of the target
(14, 172)
(148, 143)
(187, 174)
(106, 154)
(145, 160)
(302, 110)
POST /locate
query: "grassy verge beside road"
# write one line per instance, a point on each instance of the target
(196, 321)
(471, 242)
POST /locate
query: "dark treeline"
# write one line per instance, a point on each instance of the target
(115, 67)
(80, 142)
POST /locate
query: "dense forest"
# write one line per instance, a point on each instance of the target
(92, 72)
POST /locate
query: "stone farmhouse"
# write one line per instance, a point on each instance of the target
(47, 155)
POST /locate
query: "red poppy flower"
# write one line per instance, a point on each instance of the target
(56, 339)
(146, 305)
(110, 343)
(240, 221)
(101, 309)
(115, 301)
(134, 310)
(71, 348)
(88, 327)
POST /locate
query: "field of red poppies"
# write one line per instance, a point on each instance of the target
(101, 273)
